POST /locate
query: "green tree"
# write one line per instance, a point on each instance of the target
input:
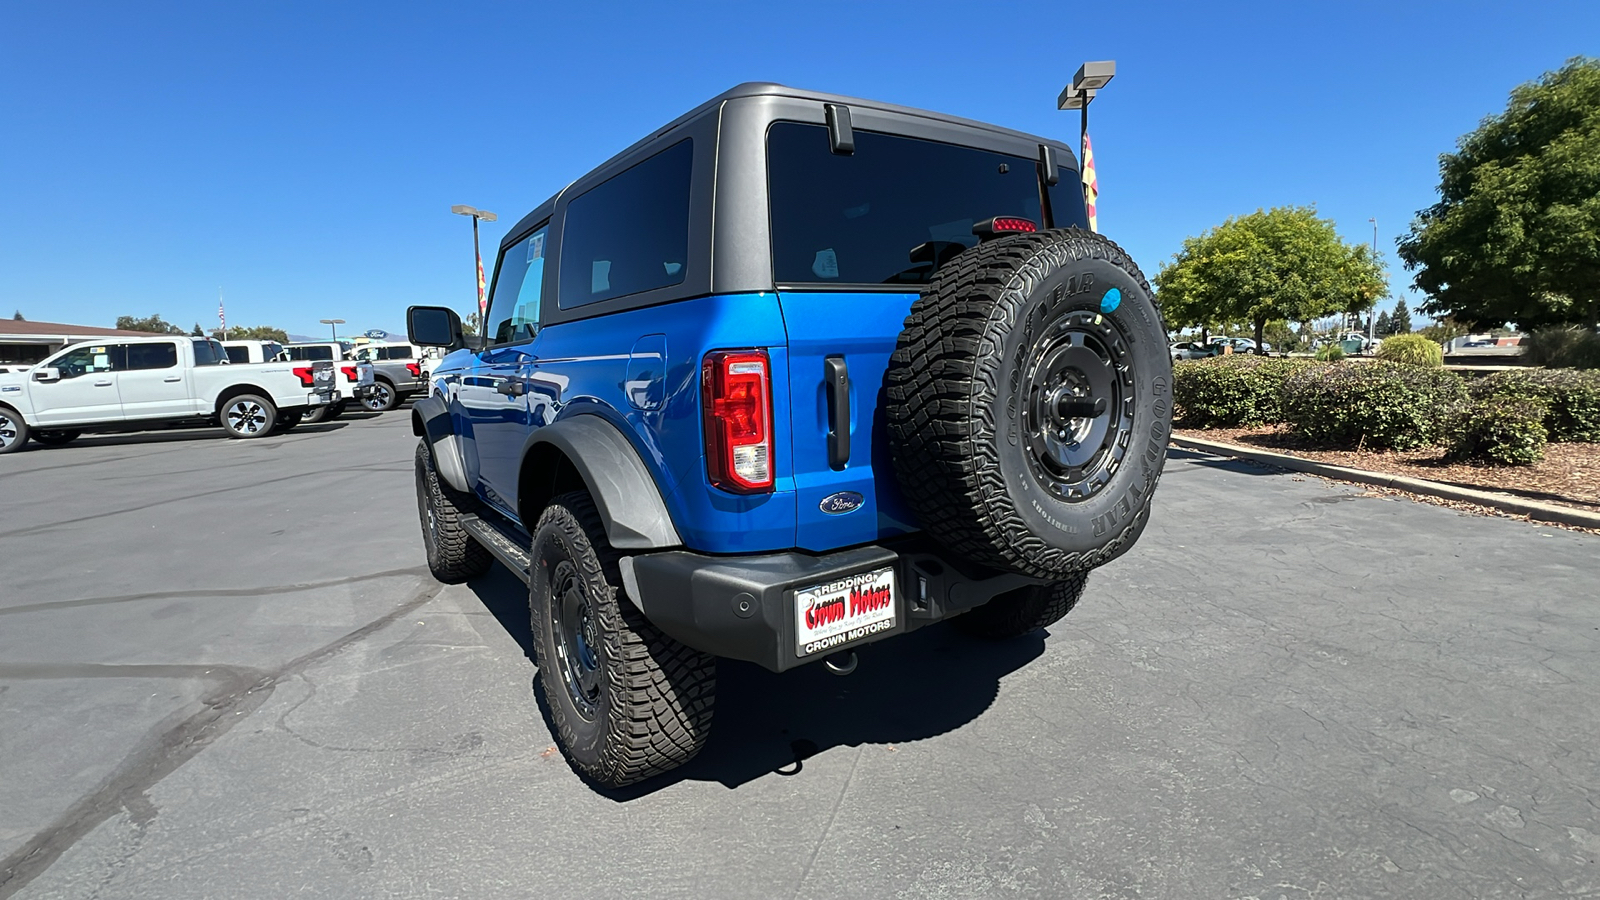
(1515, 236)
(1383, 327)
(197, 331)
(1282, 263)
(154, 324)
(17, 316)
(1400, 319)
(253, 333)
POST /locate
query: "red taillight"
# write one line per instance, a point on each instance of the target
(736, 393)
(415, 369)
(305, 376)
(351, 373)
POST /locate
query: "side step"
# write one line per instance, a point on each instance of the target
(502, 541)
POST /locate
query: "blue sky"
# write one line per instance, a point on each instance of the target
(304, 156)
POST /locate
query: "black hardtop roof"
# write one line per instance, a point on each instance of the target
(771, 89)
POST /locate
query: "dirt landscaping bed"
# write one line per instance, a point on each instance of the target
(1569, 475)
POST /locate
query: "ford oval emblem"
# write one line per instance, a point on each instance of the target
(841, 503)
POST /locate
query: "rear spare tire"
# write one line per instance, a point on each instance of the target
(1029, 403)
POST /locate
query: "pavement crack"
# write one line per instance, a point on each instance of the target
(832, 814)
(167, 748)
(213, 592)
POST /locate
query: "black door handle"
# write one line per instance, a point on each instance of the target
(837, 377)
(512, 387)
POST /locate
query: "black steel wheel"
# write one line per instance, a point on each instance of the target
(1029, 403)
(625, 701)
(453, 555)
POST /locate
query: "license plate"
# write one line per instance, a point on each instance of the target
(828, 616)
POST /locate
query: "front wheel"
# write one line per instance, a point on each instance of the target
(625, 701)
(249, 416)
(55, 437)
(382, 399)
(13, 431)
(453, 555)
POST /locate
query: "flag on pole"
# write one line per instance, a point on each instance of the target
(222, 316)
(1091, 184)
(481, 300)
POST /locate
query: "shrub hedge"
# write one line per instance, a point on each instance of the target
(1566, 347)
(1377, 405)
(1232, 391)
(1505, 430)
(1571, 398)
(1412, 350)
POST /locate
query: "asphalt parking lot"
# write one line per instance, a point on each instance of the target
(224, 672)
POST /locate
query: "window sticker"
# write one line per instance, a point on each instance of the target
(600, 276)
(536, 247)
(826, 264)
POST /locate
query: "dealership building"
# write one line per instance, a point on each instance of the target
(25, 343)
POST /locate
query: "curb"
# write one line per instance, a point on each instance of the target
(1544, 512)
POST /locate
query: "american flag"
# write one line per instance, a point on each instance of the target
(222, 317)
(481, 303)
(1091, 184)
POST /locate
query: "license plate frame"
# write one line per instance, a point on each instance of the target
(846, 610)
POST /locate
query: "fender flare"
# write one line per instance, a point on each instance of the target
(430, 420)
(635, 515)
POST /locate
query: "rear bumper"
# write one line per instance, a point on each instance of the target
(744, 607)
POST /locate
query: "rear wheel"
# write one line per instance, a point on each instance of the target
(383, 397)
(249, 416)
(626, 702)
(1018, 612)
(453, 555)
(55, 437)
(13, 431)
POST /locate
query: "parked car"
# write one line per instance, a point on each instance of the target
(252, 351)
(1239, 344)
(1194, 350)
(899, 382)
(357, 379)
(399, 372)
(130, 384)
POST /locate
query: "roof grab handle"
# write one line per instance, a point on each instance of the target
(841, 139)
(1047, 162)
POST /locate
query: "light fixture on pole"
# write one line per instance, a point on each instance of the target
(477, 255)
(1373, 315)
(1089, 80)
(333, 326)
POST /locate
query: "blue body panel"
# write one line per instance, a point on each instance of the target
(640, 370)
(861, 328)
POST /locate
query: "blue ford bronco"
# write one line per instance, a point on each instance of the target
(794, 374)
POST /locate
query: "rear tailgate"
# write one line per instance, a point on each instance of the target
(860, 329)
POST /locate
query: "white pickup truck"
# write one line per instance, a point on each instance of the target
(355, 379)
(130, 384)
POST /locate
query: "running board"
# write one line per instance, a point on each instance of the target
(505, 544)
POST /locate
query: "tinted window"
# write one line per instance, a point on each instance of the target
(238, 354)
(856, 219)
(518, 285)
(629, 233)
(398, 352)
(209, 353)
(153, 356)
(311, 354)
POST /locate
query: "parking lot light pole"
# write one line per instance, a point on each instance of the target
(333, 326)
(477, 255)
(1090, 78)
(1373, 315)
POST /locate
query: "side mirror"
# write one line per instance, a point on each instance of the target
(434, 326)
(47, 374)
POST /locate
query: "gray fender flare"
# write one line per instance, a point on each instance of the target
(629, 501)
(430, 420)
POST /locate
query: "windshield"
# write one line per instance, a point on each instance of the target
(855, 219)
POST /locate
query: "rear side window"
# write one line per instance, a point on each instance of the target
(239, 354)
(855, 219)
(629, 233)
(154, 356)
(310, 354)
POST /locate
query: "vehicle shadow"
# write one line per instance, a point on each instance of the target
(175, 435)
(909, 688)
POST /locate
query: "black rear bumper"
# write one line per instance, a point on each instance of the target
(743, 607)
